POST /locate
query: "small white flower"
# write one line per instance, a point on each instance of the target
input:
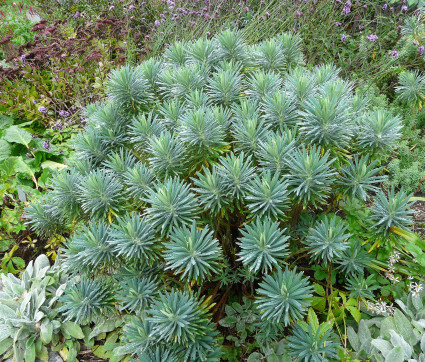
(410, 277)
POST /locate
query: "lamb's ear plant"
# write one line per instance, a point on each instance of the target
(202, 179)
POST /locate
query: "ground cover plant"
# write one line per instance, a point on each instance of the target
(223, 170)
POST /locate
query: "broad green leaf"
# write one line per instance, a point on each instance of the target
(403, 325)
(17, 135)
(30, 352)
(73, 329)
(5, 345)
(53, 165)
(382, 345)
(5, 150)
(43, 354)
(354, 312)
(46, 331)
(395, 355)
(312, 319)
(106, 326)
(5, 121)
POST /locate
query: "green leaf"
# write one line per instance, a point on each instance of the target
(395, 355)
(355, 313)
(72, 353)
(5, 345)
(73, 329)
(53, 165)
(403, 325)
(18, 135)
(46, 331)
(104, 327)
(254, 357)
(5, 121)
(30, 352)
(5, 150)
(313, 320)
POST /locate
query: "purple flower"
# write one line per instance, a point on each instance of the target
(394, 53)
(384, 7)
(415, 42)
(298, 14)
(337, 23)
(64, 114)
(404, 8)
(42, 109)
(131, 7)
(346, 11)
(112, 7)
(46, 145)
(361, 27)
(58, 126)
(365, 6)
(343, 37)
(28, 155)
(372, 37)
(23, 57)
(421, 50)
(77, 15)
(157, 23)
(34, 101)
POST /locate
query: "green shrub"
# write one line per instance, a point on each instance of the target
(203, 173)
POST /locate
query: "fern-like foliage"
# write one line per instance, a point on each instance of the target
(192, 252)
(263, 245)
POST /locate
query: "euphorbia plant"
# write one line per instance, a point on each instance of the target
(217, 155)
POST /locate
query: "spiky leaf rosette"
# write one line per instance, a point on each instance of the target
(44, 218)
(310, 175)
(354, 259)
(142, 128)
(192, 252)
(279, 109)
(362, 287)
(133, 238)
(412, 88)
(273, 152)
(177, 317)
(137, 180)
(379, 131)
(100, 194)
(270, 55)
(359, 177)
(312, 345)
(263, 245)
(137, 294)
(327, 239)
(236, 172)
(268, 196)
(167, 156)
(87, 301)
(213, 192)
(231, 46)
(171, 204)
(326, 120)
(292, 46)
(66, 193)
(391, 211)
(89, 249)
(157, 354)
(284, 296)
(202, 135)
(225, 86)
(262, 84)
(128, 88)
(120, 162)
